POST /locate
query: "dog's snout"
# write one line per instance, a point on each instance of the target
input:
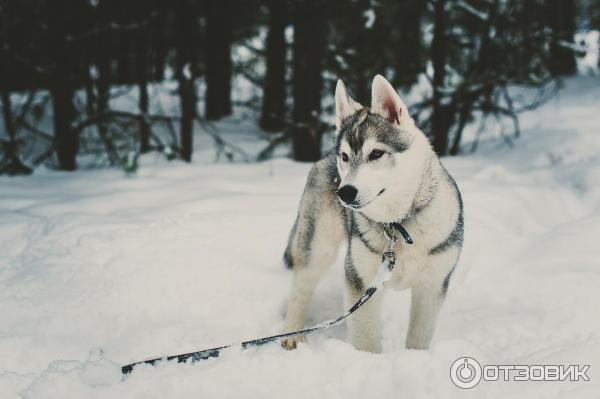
(347, 193)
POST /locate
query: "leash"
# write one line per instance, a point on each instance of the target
(388, 260)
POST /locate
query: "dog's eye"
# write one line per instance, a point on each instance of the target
(375, 154)
(344, 157)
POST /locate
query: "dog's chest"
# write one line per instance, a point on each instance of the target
(369, 243)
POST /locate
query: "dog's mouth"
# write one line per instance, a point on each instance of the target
(360, 206)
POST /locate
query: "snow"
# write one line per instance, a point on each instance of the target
(370, 17)
(588, 42)
(99, 269)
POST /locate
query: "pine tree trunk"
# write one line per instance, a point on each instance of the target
(62, 88)
(124, 44)
(142, 78)
(144, 127)
(159, 46)
(186, 71)
(103, 90)
(562, 14)
(440, 118)
(66, 139)
(10, 148)
(188, 112)
(13, 165)
(8, 117)
(218, 59)
(273, 106)
(411, 63)
(309, 48)
(102, 57)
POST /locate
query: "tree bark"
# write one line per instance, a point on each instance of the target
(562, 14)
(218, 59)
(411, 63)
(477, 73)
(66, 139)
(187, 97)
(124, 45)
(159, 45)
(186, 72)
(144, 126)
(309, 48)
(142, 80)
(440, 119)
(273, 106)
(8, 117)
(13, 165)
(61, 80)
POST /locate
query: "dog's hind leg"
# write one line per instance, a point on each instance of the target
(312, 248)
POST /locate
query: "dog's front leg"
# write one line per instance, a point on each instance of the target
(427, 298)
(364, 325)
(426, 302)
(303, 286)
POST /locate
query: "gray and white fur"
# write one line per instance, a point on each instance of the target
(383, 170)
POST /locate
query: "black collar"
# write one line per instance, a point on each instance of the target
(402, 230)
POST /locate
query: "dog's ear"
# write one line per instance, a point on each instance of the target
(344, 105)
(386, 102)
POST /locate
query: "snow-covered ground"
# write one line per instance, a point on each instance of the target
(98, 270)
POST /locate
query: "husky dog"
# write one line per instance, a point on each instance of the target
(383, 170)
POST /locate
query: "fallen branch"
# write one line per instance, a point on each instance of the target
(221, 143)
(108, 115)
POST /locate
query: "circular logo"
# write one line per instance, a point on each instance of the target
(465, 372)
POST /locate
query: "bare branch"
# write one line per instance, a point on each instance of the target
(113, 26)
(221, 143)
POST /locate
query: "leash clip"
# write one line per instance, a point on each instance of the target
(390, 254)
(390, 257)
(390, 237)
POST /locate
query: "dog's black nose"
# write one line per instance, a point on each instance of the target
(347, 193)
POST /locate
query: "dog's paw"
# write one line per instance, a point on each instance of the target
(292, 343)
